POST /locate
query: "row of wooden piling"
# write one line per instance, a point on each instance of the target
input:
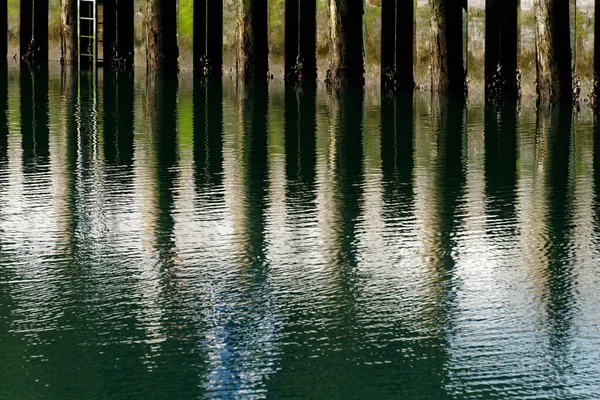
(554, 55)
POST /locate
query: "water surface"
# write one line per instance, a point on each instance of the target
(165, 239)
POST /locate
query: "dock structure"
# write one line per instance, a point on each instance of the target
(101, 33)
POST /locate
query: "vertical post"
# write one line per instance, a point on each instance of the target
(199, 35)
(214, 44)
(3, 31)
(388, 40)
(501, 48)
(25, 27)
(125, 33)
(252, 40)
(39, 54)
(347, 65)
(447, 68)
(69, 40)
(553, 51)
(109, 32)
(291, 38)
(162, 51)
(405, 24)
(597, 54)
(308, 40)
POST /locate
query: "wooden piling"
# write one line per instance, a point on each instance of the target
(40, 32)
(447, 65)
(308, 40)
(125, 34)
(597, 54)
(162, 51)
(252, 40)
(405, 48)
(109, 30)
(501, 48)
(68, 47)
(347, 65)
(214, 37)
(291, 38)
(25, 27)
(3, 31)
(554, 80)
(199, 50)
(388, 41)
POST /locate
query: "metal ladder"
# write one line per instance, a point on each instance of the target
(87, 33)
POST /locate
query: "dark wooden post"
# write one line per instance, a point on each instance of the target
(405, 48)
(199, 35)
(40, 32)
(554, 81)
(25, 27)
(447, 69)
(597, 52)
(109, 30)
(501, 48)
(308, 40)
(68, 48)
(388, 42)
(3, 31)
(291, 38)
(252, 40)
(162, 51)
(214, 37)
(347, 65)
(125, 34)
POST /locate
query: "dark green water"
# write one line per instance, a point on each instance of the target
(163, 240)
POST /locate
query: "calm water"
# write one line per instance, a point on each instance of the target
(165, 240)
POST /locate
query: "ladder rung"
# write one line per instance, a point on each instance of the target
(87, 55)
(87, 18)
(87, 37)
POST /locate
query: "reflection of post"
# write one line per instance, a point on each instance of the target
(554, 128)
(208, 134)
(162, 115)
(300, 142)
(501, 160)
(3, 115)
(118, 119)
(34, 118)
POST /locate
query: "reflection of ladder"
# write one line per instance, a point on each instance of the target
(89, 30)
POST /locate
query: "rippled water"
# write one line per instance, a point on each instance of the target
(160, 239)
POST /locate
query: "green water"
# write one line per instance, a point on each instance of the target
(165, 240)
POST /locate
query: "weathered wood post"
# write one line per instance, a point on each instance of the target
(3, 31)
(405, 46)
(162, 51)
(397, 44)
(301, 40)
(292, 17)
(109, 31)
(208, 37)
(347, 65)
(214, 37)
(447, 65)
(68, 46)
(554, 80)
(25, 27)
(252, 40)
(199, 35)
(597, 53)
(501, 48)
(125, 34)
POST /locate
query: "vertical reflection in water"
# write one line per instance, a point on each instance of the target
(34, 121)
(118, 122)
(440, 184)
(3, 121)
(501, 171)
(555, 131)
(208, 136)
